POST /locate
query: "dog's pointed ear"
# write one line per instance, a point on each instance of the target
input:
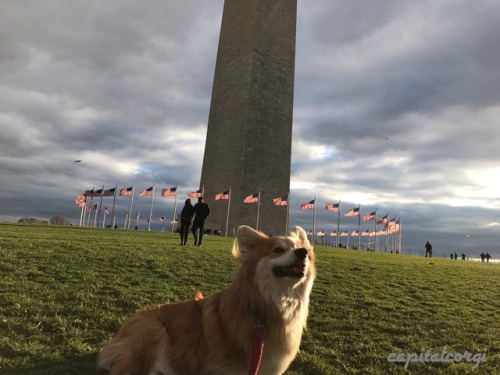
(301, 235)
(245, 242)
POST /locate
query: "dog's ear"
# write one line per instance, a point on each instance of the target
(301, 235)
(245, 241)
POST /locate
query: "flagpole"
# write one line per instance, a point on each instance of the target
(287, 213)
(386, 226)
(100, 206)
(400, 232)
(126, 220)
(95, 215)
(90, 211)
(338, 226)
(151, 208)
(228, 206)
(258, 211)
(130, 207)
(175, 208)
(82, 211)
(113, 212)
(359, 227)
(137, 218)
(104, 219)
(375, 224)
(314, 221)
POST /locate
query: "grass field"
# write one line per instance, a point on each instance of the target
(65, 290)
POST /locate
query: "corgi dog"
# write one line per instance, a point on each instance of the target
(213, 335)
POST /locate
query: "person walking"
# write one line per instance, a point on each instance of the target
(201, 212)
(428, 249)
(187, 214)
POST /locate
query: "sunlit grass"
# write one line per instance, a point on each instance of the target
(65, 290)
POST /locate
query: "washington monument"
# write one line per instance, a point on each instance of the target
(249, 135)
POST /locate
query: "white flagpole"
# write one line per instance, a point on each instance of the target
(151, 208)
(82, 213)
(258, 211)
(95, 216)
(90, 211)
(175, 207)
(400, 232)
(386, 230)
(126, 220)
(104, 219)
(130, 206)
(359, 227)
(228, 206)
(100, 206)
(338, 226)
(287, 213)
(113, 212)
(137, 219)
(314, 221)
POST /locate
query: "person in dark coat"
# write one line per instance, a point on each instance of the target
(428, 249)
(187, 214)
(201, 212)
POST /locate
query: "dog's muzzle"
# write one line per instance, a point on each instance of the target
(296, 269)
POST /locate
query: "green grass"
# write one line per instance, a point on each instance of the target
(65, 290)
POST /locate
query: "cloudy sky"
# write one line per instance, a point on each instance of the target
(397, 105)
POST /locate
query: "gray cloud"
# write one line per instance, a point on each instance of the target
(396, 108)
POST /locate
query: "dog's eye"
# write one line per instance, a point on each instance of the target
(279, 250)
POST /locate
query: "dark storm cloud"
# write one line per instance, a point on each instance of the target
(396, 107)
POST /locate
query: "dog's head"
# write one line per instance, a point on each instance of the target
(276, 263)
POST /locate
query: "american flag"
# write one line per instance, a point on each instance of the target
(382, 220)
(366, 233)
(222, 196)
(332, 206)
(333, 234)
(369, 216)
(146, 193)
(321, 233)
(254, 198)
(355, 233)
(109, 193)
(281, 201)
(344, 233)
(161, 219)
(80, 200)
(353, 212)
(169, 192)
(106, 211)
(195, 194)
(93, 193)
(126, 191)
(308, 206)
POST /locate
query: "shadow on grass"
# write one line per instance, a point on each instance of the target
(76, 365)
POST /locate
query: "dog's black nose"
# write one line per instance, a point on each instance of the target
(301, 253)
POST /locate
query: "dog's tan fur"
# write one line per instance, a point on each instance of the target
(213, 335)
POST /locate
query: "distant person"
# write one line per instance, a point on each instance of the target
(456, 256)
(428, 249)
(451, 256)
(487, 257)
(463, 256)
(201, 212)
(187, 214)
(482, 257)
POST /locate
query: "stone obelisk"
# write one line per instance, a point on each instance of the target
(249, 135)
